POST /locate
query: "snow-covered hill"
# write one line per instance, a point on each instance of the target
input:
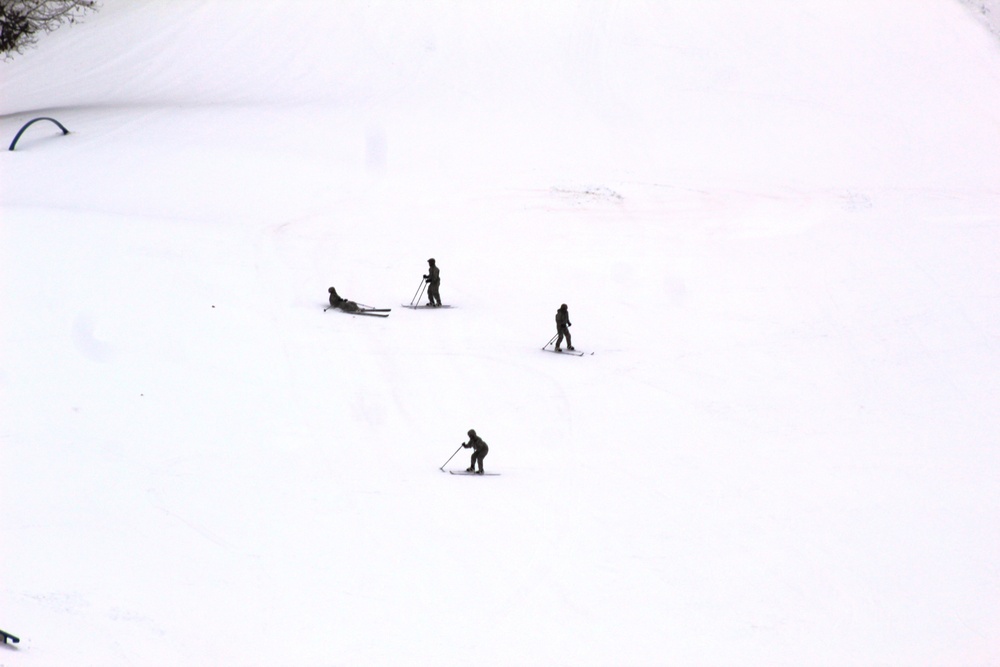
(988, 12)
(776, 229)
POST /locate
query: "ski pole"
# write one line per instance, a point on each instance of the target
(551, 340)
(420, 288)
(450, 458)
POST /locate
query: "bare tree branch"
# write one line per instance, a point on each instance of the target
(21, 21)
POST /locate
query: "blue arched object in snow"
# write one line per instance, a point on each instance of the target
(29, 123)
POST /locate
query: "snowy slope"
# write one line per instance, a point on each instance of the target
(987, 11)
(775, 227)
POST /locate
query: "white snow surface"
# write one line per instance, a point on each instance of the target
(776, 225)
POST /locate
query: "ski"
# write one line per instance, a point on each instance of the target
(7, 636)
(474, 474)
(373, 312)
(412, 307)
(575, 353)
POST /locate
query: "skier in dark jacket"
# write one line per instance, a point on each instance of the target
(562, 328)
(433, 279)
(479, 451)
(343, 304)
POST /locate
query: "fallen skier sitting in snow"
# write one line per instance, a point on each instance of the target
(343, 304)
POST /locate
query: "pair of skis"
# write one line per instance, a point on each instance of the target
(363, 310)
(372, 312)
(574, 352)
(384, 312)
(570, 350)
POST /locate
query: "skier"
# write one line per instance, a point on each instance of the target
(433, 279)
(562, 328)
(337, 302)
(479, 451)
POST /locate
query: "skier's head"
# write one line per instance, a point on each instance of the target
(331, 290)
(472, 432)
(430, 261)
(563, 307)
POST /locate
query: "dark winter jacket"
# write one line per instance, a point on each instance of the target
(434, 275)
(562, 318)
(476, 443)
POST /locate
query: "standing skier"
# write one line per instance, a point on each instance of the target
(433, 279)
(337, 302)
(479, 451)
(562, 328)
